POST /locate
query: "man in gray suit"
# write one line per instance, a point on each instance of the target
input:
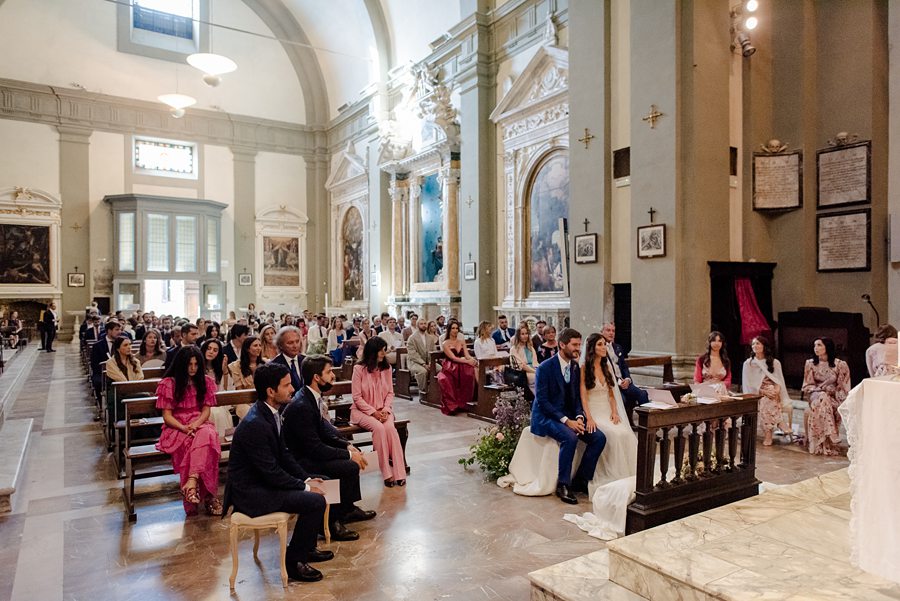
(418, 351)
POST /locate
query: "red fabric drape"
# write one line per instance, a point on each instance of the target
(753, 322)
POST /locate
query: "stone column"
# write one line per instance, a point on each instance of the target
(318, 245)
(399, 192)
(244, 258)
(450, 191)
(894, 165)
(75, 231)
(589, 168)
(378, 234)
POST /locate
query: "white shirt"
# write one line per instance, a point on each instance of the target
(316, 333)
(318, 397)
(487, 349)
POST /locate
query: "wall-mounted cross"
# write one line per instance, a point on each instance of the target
(652, 212)
(469, 201)
(586, 223)
(75, 226)
(653, 117)
(588, 136)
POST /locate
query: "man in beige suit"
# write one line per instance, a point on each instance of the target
(418, 349)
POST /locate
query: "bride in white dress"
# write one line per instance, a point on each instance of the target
(613, 482)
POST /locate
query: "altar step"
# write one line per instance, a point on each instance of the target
(14, 435)
(584, 578)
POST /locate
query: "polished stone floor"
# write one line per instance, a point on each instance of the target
(447, 535)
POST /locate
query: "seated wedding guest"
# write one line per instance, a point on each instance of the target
(762, 375)
(288, 342)
(240, 372)
(232, 319)
(401, 325)
(557, 412)
(380, 323)
(632, 396)
(302, 328)
(538, 339)
(185, 396)
(318, 447)
(251, 313)
(364, 334)
(336, 337)
(604, 411)
(826, 383)
(318, 333)
(446, 333)
(418, 353)
(373, 409)
(457, 378)
(411, 328)
(188, 337)
(267, 338)
(122, 365)
(100, 352)
(212, 331)
(434, 330)
(236, 337)
(504, 334)
(548, 348)
(15, 328)
(485, 347)
(875, 354)
(215, 363)
(146, 324)
(393, 339)
(201, 327)
(713, 367)
(524, 354)
(94, 329)
(263, 476)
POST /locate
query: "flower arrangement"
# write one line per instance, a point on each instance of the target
(495, 446)
(318, 347)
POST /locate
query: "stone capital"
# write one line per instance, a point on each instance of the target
(75, 135)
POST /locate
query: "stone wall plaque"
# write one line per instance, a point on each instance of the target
(777, 181)
(843, 174)
(844, 241)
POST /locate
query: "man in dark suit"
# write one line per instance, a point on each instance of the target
(236, 336)
(264, 478)
(146, 324)
(319, 447)
(51, 324)
(557, 412)
(632, 396)
(92, 330)
(538, 339)
(189, 334)
(287, 339)
(503, 334)
(100, 352)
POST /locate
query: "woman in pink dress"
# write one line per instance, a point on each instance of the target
(713, 367)
(373, 409)
(457, 377)
(826, 383)
(185, 396)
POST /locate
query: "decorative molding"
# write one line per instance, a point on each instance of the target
(20, 205)
(84, 111)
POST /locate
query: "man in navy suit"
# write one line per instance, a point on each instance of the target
(503, 334)
(189, 334)
(100, 352)
(236, 336)
(264, 478)
(631, 394)
(288, 342)
(557, 412)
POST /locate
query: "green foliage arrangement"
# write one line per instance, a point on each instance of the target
(495, 446)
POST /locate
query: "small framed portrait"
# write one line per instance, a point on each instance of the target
(469, 270)
(586, 248)
(651, 241)
(76, 280)
(245, 279)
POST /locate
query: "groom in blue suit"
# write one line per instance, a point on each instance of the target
(557, 412)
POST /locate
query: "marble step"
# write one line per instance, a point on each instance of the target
(584, 578)
(14, 435)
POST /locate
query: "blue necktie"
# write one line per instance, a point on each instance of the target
(293, 367)
(567, 373)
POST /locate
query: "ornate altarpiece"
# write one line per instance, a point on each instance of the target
(348, 188)
(421, 142)
(533, 119)
(30, 220)
(281, 258)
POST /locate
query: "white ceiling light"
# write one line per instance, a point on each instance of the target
(751, 5)
(177, 102)
(212, 65)
(751, 23)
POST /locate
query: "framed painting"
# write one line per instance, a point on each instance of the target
(76, 280)
(24, 254)
(586, 248)
(469, 272)
(651, 241)
(245, 279)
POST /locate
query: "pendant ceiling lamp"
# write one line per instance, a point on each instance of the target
(212, 65)
(177, 102)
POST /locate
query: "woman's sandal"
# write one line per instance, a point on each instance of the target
(389, 483)
(214, 506)
(401, 482)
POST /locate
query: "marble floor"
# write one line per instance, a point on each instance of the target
(447, 535)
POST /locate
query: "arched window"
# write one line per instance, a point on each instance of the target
(548, 201)
(352, 241)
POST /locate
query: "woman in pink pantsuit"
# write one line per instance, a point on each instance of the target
(185, 396)
(373, 399)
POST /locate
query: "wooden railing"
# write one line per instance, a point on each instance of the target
(713, 449)
(664, 360)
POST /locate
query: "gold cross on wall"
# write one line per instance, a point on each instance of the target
(653, 116)
(588, 136)
(75, 226)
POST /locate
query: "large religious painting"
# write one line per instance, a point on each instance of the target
(24, 254)
(352, 237)
(281, 261)
(549, 207)
(432, 250)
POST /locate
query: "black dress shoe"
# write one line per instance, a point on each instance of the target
(303, 572)
(316, 556)
(359, 515)
(580, 486)
(341, 532)
(566, 495)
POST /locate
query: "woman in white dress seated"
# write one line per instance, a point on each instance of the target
(876, 360)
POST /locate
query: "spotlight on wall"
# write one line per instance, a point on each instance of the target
(747, 49)
(743, 21)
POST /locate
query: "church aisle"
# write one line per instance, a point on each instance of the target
(447, 535)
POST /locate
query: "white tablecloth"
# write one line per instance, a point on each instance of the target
(872, 417)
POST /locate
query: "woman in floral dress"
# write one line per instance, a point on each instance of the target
(762, 375)
(826, 383)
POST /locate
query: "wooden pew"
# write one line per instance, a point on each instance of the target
(114, 422)
(432, 394)
(138, 413)
(485, 398)
(664, 360)
(153, 372)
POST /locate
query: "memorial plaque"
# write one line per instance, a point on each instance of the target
(844, 241)
(777, 181)
(843, 174)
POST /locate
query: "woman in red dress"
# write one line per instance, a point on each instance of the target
(457, 377)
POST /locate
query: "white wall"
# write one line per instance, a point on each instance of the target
(621, 229)
(106, 176)
(29, 156)
(58, 42)
(218, 167)
(416, 23)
